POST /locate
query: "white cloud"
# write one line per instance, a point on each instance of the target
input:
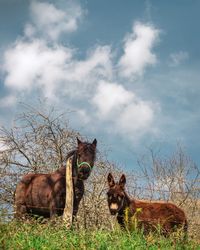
(84, 116)
(136, 117)
(111, 97)
(126, 112)
(86, 72)
(33, 64)
(178, 58)
(8, 101)
(30, 30)
(138, 50)
(51, 22)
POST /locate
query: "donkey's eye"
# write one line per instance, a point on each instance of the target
(109, 196)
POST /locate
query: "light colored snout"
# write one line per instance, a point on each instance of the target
(113, 206)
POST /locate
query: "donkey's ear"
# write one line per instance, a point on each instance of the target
(122, 181)
(111, 181)
(78, 141)
(94, 142)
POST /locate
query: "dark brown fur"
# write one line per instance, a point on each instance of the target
(150, 215)
(44, 194)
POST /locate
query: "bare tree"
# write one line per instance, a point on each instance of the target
(175, 178)
(38, 142)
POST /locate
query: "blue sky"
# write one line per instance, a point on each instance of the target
(128, 69)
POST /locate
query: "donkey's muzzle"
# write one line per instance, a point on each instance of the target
(84, 172)
(113, 206)
(113, 211)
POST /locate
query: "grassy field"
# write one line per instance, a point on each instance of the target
(36, 236)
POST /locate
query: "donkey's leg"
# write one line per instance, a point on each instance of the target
(120, 219)
(75, 207)
(166, 229)
(78, 194)
(20, 211)
(52, 210)
(75, 210)
(185, 231)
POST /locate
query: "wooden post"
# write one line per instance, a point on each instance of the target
(68, 210)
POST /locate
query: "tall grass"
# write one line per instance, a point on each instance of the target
(53, 236)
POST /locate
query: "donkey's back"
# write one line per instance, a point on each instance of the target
(165, 214)
(41, 194)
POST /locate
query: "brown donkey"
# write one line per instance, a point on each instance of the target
(148, 216)
(44, 194)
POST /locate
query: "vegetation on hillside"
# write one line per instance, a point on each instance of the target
(50, 236)
(39, 141)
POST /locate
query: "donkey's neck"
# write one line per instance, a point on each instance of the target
(126, 204)
(79, 184)
(121, 212)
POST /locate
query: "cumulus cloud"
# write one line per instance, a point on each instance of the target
(51, 22)
(136, 118)
(8, 101)
(110, 97)
(29, 65)
(177, 58)
(84, 116)
(97, 64)
(137, 48)
(127, 112)
(33, 63)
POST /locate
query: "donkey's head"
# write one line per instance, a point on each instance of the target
(85, 158)
(116, 194)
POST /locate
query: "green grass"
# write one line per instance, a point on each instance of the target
(32, 235)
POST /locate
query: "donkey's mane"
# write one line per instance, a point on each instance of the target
(72, 152)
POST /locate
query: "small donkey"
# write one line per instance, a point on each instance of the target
(148, 216)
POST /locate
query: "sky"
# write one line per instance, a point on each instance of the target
(129, 70)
